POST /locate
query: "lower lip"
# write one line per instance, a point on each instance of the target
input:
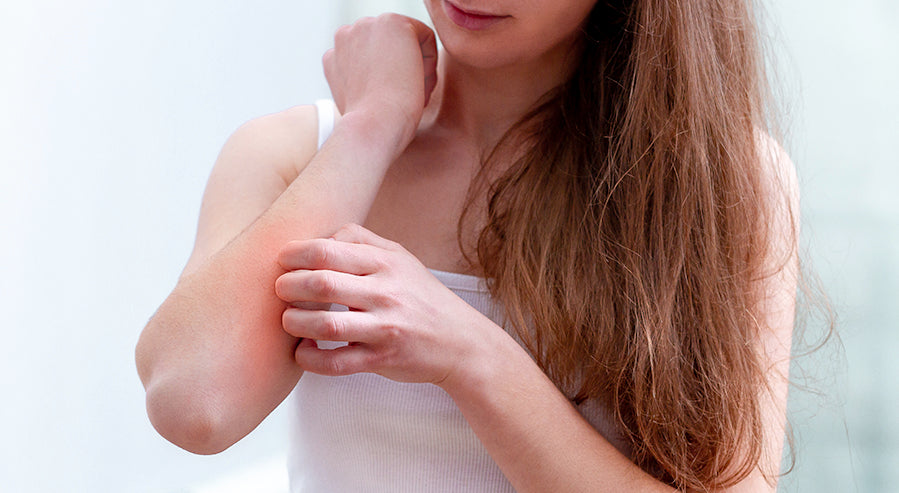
(466, 20)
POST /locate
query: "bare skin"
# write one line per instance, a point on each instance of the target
(277, 234)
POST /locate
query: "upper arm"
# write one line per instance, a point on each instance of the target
(778, 310)
(256, 164)
(213, 358)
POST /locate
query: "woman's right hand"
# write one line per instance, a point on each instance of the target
(386, 65)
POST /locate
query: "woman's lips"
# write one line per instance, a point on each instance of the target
(474, 21)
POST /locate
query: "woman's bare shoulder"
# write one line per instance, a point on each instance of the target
(287, 140)
(778, 171)
(257, 163)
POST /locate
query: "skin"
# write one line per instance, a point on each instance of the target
(280, 235)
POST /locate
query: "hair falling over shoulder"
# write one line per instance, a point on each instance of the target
(628, 243)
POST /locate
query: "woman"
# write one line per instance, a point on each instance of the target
(596, 177)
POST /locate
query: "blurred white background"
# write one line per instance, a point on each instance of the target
(112, 113)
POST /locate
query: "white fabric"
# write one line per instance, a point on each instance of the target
(366, 433)
(326, 116)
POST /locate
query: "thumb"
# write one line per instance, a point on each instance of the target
(354, 233)
(427, 41)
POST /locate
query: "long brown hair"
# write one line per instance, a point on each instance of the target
(628, 242)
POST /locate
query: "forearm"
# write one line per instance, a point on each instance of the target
(214, 358)
(535, 435)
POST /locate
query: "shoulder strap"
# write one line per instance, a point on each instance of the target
(326, 114)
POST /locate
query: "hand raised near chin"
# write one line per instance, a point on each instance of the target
(386, 65)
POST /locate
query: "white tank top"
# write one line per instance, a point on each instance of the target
(366, 433)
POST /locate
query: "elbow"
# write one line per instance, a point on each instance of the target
(188, 419)
(182, 411)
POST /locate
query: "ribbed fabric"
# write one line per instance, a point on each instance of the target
(366, 433)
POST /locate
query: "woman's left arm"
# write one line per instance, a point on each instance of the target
(543, 444)
(405, 325)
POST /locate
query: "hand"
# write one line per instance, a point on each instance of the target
(387, 65)
(403, 323)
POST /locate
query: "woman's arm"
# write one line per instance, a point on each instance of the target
(214, 359)
(542, 444)
(406, 326)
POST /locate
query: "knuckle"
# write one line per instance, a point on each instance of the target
(334, 366)
(387, 298)
(345, 232)
(319, 254)
(381, 263)
(391, 334)
(332, 328)
(378, 361)
(393, 17)
(381, 298)
(390, 358)
(322, 284)
(392, 245)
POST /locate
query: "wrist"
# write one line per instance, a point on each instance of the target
(495, 361)
(379, 135)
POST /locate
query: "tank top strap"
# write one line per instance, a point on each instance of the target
(327, 114)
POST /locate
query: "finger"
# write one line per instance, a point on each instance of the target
(330, 326)
(328, 66)
(353, 233)
(430, 85)
(341, 361)
(328, 254)
(429, 55)
(425, 36)
(327, 286)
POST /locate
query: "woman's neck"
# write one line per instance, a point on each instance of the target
(480, 105)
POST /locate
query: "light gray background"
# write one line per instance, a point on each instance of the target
(112, 113)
